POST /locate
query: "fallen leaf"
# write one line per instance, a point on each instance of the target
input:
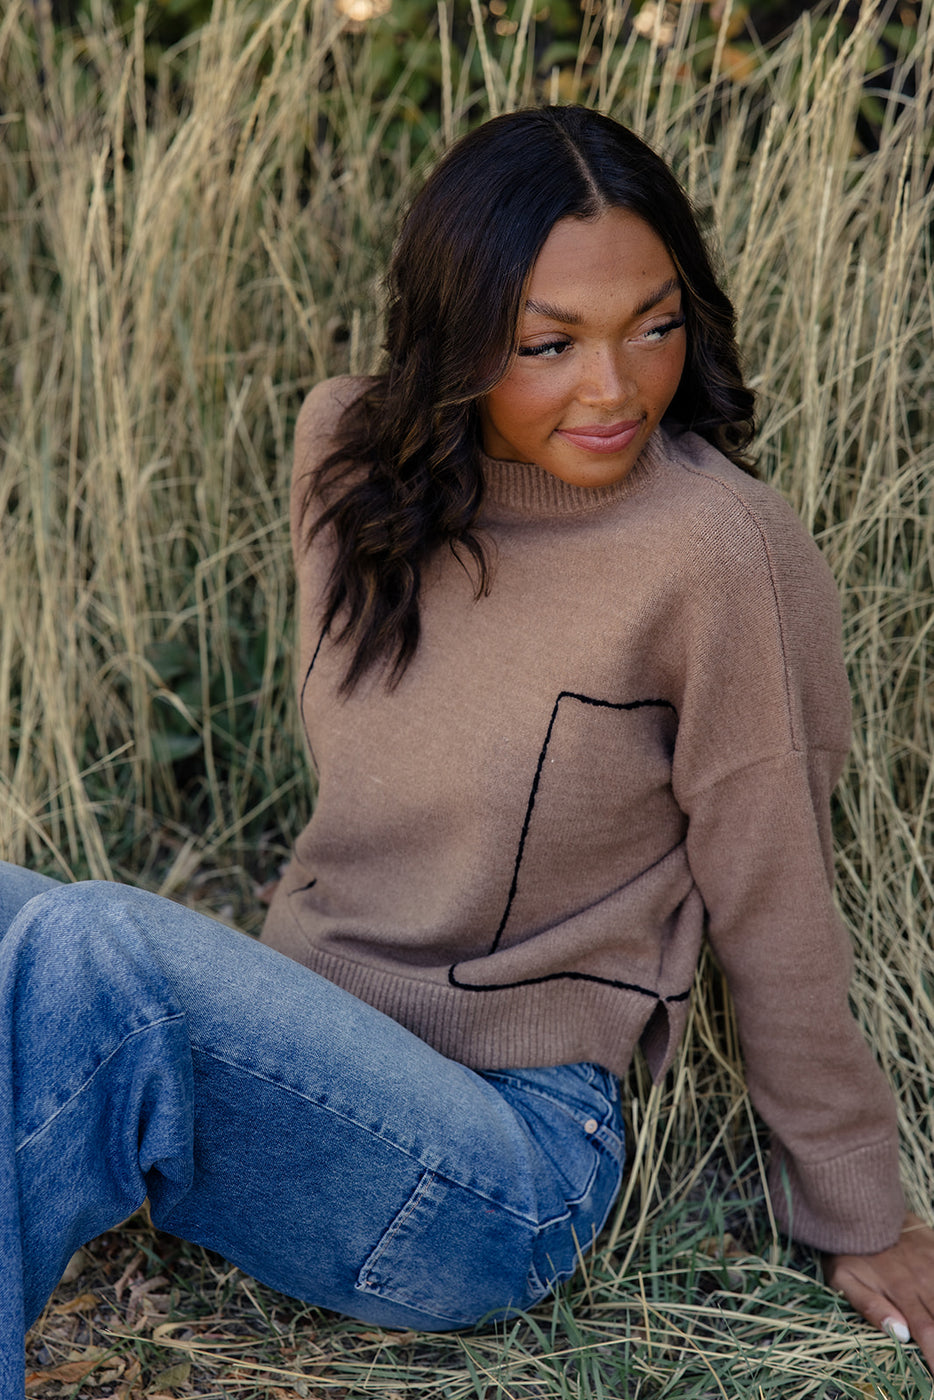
(171, 1378)
(396, 1338)
(125, 1389)
(83, 1303)
(68, 1371)
(722, 1247)
(76, 1266)
(128, 1273)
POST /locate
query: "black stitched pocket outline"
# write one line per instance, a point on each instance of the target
(570, 976)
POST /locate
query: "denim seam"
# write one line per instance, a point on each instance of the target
(365, 1284)
(605, 1134)
(141, 1030)
(365, 1276)
(434, 1168)
(610, 1141)
(527, 1087)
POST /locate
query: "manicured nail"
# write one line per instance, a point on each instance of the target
(896, 1329)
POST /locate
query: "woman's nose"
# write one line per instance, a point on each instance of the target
(606, 379)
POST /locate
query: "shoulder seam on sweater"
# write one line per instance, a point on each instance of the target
(754, 520)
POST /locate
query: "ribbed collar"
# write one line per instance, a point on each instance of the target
(524, 489)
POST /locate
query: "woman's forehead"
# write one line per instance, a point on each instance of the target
(616, 256)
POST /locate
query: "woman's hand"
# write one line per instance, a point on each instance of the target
(895, 1288)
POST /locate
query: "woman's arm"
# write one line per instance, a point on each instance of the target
(766, 662)
(763, 728)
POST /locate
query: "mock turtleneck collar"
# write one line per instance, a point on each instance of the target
(522, 488)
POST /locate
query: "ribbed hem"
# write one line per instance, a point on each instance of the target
(851, 1204)
(553, 1023)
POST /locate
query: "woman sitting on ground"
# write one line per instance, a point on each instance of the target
(572, 685)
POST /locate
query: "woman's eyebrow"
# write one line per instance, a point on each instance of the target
(573, 318)
(665, 290)
(552, 312)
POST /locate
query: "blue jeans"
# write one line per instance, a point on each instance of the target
(146, 1050)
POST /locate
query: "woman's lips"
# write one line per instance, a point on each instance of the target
(595, 438)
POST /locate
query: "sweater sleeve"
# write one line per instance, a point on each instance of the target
(763, 731)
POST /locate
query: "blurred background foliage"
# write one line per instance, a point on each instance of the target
(721, 36)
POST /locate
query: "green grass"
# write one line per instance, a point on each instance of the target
(189, 241)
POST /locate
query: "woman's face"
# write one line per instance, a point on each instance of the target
(601, 347)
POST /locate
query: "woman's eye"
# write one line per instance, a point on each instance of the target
(548, 350)
(660, 332)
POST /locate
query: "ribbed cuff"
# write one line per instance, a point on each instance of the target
(851, 1204)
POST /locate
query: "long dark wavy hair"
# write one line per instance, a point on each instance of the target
(405, 478)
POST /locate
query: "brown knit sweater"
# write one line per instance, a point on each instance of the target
(516, 851)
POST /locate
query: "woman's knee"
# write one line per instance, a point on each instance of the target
(78, 955)
(17, 887)
(71, 916)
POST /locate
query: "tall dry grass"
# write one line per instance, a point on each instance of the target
(189, 241)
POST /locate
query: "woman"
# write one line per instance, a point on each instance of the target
(571, 682)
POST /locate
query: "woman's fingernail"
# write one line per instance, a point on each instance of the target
(896, 1329)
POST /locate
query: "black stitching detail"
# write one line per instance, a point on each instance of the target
(585, 700)
(634, 987)
(569, 976)
(301, 698)
(300, 889)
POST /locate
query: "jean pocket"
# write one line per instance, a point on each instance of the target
(572, 1114)
(453, 1256)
